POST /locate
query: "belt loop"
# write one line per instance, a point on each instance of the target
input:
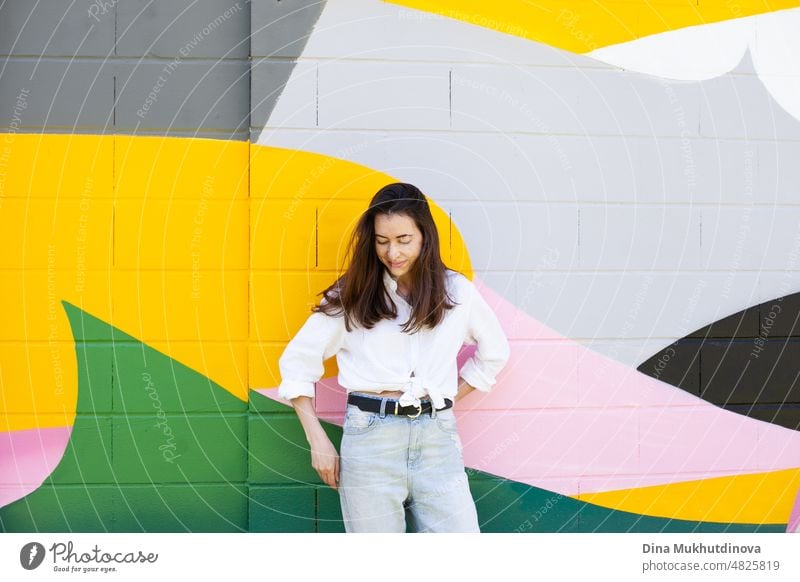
(383, 408)
(433, 410)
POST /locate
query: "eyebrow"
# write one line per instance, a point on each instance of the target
(398, 236)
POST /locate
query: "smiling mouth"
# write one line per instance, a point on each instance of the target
(397, 265)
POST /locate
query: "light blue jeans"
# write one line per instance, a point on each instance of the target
(395, 465)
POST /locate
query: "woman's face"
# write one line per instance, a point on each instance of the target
(398, 243)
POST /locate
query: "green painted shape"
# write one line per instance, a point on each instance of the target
(67, 508)
(146, 384)
(262, 404)
(181, 508)
(279, 452)
(283, 509)
(98, 358)
(180, 448)
(212, 457)
(94, 433)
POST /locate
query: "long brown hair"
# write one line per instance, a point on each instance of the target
(360, 293)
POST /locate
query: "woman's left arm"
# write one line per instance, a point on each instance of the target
(483, 328)
(463, 389)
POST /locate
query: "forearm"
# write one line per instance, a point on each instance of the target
(324, 458)
(304, 408)
(463, 389)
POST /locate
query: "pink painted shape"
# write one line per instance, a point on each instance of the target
(794, 520)
(576, 421)
(28, 457)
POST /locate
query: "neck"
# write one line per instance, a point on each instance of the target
(403, 285)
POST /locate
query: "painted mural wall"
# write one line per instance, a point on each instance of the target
(619, 178)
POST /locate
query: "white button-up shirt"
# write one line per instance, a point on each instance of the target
(385, 358)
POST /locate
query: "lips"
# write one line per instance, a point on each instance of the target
(398, 265)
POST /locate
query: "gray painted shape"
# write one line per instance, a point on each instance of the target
(198, 98)
(61, 94)
(281, 29)
(104, 95)
(193, 95)
(186, 28)
(56, 28)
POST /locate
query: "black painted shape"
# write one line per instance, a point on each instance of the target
(746, 362)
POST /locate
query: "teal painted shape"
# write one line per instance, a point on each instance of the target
(283, 509)
(510, 506)
(197, 507)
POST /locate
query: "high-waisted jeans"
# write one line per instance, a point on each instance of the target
(397, 465)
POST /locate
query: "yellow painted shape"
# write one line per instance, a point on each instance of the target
(283, 234)
(49, 366)
(56, 234)
(37, 314)
(56, 166)
(150, 234)
(173, 167)
(139, 200)
(760, 498)
(298, 175)
(582, 26)
(198, 234)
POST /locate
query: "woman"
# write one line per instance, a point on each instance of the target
(396, 321)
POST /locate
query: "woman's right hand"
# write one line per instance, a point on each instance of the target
(325, 460)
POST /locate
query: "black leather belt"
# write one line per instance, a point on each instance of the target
(368, 404)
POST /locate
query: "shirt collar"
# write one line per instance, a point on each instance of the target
(389, 281)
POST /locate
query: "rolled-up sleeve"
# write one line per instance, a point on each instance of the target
(301, 364)
(483, 329)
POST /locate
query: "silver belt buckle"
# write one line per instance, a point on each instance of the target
(419, 406)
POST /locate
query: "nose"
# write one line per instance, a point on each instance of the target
(393, 253)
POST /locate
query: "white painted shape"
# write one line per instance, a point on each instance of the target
(383, 95)
(508, 98)
(711, 50)
(778, 173)
(297, 104)
(776, 56)
(692, 53)
(519, 236)
(775, 284)
(750, 237)
(459, 166)
(776, 43)
(639, 236)
(662, 306)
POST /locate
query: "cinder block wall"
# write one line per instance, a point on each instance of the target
(623, 212)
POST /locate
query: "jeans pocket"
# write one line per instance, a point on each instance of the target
(446, 421)
(357, 421)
